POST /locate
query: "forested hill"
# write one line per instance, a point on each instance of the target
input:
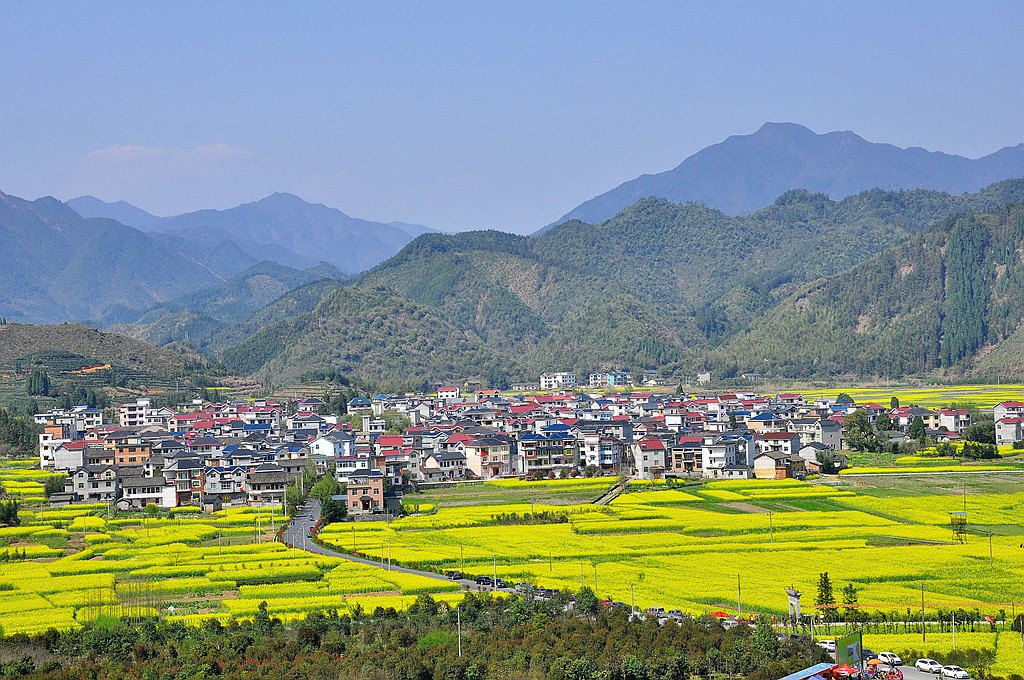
(22, 342)
(659, 285)
(746, 172)
(196, 317)
(950, 299)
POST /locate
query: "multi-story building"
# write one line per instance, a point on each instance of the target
(134, 414)
(365, 492)
(490, 457)
(93, 484)
(557, 381)
(1009, 430)
(547, 454)
(601, 451)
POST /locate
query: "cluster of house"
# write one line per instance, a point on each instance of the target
(218, 454)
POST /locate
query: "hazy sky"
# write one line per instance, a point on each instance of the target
(477, 114)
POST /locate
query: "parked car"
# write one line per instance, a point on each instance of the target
(656, 611)
(954, 672)
(500, 583)
(828, 645)
(867, 654)
(890, 658)
(483, 580)
(454, 575)
(928, 666)
(675, 615)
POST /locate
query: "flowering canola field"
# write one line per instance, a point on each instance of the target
(694, 548)
(697, 548)
(63, 567)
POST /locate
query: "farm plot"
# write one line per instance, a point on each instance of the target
(700, 547)
(180, 568)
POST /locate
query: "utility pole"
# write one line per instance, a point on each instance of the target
(581, 574)
(632, 600)
(739, 609)
(923, 632)
(389, 552)
(595, 578)
(495, 566)
(771, 527)
(458, 623)
(990, 548)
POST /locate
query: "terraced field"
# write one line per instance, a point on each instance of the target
(695, 547)
(63, 567)
(691, 547)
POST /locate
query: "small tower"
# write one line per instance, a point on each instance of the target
(958, 522)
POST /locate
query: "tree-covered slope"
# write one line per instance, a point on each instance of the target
(660, 285)
(196, 317)
(947, 299)
(367, 333)
(21, 340)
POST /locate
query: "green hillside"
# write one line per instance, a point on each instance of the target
(659, 286)
(949, 300)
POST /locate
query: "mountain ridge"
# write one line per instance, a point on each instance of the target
(744, 173)
(281, 226)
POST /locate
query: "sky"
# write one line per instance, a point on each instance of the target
(465, 115)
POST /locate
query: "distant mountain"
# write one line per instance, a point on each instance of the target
(56, 265)
(195, 317)
(120, 211)
(950, 299)
(413, 230)
(746, 172)
(281, 227)
(660, 285)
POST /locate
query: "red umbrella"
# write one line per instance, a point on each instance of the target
(844, 670)
(720, 615)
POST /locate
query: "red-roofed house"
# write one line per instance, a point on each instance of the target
(649, 457)
(448, 392)
(1008, 409)
(1009, 430)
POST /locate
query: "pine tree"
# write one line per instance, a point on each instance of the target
(825, 600)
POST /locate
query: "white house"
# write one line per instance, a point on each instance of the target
(1009, 430)
(557, 381)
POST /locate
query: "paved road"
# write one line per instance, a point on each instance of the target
(297, 536)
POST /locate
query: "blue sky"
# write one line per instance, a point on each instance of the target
(475, 114)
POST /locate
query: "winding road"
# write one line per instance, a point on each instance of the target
(297, 535)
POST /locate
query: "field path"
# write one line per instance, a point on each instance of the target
(611, 494)
(296, 536)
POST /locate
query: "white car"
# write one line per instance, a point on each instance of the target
(890, 658)
(928, 666)
(954, 672)
(828, 645)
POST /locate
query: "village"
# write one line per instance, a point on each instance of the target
(216, 455)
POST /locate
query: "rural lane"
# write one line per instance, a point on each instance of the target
(297, 536)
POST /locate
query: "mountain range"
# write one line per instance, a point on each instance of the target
(746, 172)
(57, 265)
(281, 227)
(673, 287)
(792, 263)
